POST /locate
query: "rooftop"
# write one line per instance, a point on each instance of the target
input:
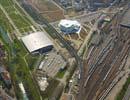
(36, 41)
(70, 26)
(69, 23)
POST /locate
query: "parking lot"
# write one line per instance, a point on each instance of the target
(52, 63)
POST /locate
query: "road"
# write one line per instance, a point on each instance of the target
(88, 17)
(86, 41)
(83, 18)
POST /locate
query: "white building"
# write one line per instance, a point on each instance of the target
(23, 91)
(37, 42)
(69, 26)
(43, 83)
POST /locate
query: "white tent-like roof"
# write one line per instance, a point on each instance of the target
(69, 23)
(73, 24)
(36, 41)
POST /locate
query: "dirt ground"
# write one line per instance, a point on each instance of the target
(49, 10)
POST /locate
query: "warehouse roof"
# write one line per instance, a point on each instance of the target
(36, 41)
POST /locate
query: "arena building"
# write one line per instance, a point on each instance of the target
(37, 42)
(69, 26)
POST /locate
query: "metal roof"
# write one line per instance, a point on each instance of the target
(36, 41)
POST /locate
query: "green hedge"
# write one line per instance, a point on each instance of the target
(121, 94)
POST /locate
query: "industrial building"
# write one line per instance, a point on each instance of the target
(37, 42)
(94, 4)
(91, 5)
(69, 26)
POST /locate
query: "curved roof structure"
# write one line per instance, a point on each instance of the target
(36, 41)
(69, 26)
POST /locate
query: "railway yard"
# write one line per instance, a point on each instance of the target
(105, 62)
(88, 65)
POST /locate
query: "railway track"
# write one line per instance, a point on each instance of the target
(101, 72)
(40, 20)
(115, 71)
(108, 63)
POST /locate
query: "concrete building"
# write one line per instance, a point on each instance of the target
(69, 26)
(65, 3)
(78, 6)
(37, 42)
